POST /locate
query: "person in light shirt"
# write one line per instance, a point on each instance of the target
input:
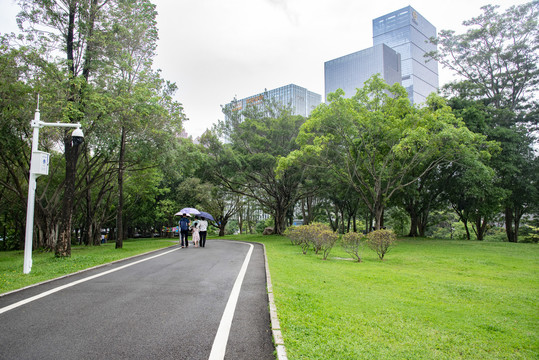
(203, 227)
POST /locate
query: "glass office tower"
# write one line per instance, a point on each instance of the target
(301, 100)
(407, 32)
(349, 72)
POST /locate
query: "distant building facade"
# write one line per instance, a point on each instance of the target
(301, 100)
(401, 34)
(349, 72)
(407, 32)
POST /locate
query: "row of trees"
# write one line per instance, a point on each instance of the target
(353, 161)
(90, 62)
(471, 150)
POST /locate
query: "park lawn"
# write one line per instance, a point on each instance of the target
(428, 299)
(46, 266)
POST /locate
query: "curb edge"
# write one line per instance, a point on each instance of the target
(275, 325)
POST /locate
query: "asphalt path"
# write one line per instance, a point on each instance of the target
(168, 304)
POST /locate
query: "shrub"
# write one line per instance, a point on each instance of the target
(299, 236)
(314, 233)
(380, 241)
(351, 243)
(294, 234)
(320, 236)
(328, 238)
(529, 234)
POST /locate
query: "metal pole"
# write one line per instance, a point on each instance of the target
(27, 266)
(36, 124)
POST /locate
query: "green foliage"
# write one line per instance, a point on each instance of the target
(328, 239)
(299, 235)
(293, 233)
(232, 227)
(530, 234)
(398, 220)
(320, 236)
(256, 138)
(497, 61)
(314, 233)
(497, 55)
(352, 243)
(93, 65)
(380, 241)
(376, 139)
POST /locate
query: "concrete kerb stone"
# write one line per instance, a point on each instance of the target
(275, 326)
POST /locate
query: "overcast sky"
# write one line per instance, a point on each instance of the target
(217, 49)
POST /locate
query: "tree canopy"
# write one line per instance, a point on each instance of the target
(376, 139)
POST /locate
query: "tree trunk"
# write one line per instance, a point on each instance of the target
(422, 222)
(306, 210)
(467, 230)
(410, 209)
(222, 227)
(279, 222)
(368, 222)
(518, 217)
(240, 220)
(63, 246)
(249, 218)
(378, 216)
(509, 219)
(334, 224)
(119, 211)
(480, 228)
(87, 239)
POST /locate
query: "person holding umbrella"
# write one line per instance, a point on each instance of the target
(184, 230)
(203, 231)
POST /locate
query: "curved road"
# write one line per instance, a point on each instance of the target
(168, 304)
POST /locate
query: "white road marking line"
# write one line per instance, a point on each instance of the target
(218, 348)
(60, 288)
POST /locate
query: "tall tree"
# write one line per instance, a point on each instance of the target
(498, 55)
(497, 60)
(376, 140)
(71, 26)
(246, 164)
(139, 113)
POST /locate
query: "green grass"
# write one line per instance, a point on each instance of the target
(46, 266)
(430, 299)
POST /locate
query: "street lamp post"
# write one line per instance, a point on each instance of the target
(39, 165)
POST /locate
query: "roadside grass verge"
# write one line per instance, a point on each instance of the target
(430, 299)
(46, 266)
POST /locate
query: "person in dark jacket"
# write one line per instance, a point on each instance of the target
(184, 230)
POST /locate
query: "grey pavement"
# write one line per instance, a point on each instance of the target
(168, 307)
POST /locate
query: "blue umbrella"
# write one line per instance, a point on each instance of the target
(206, 216)
(188, 210)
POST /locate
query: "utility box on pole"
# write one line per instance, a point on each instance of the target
(40, 163)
